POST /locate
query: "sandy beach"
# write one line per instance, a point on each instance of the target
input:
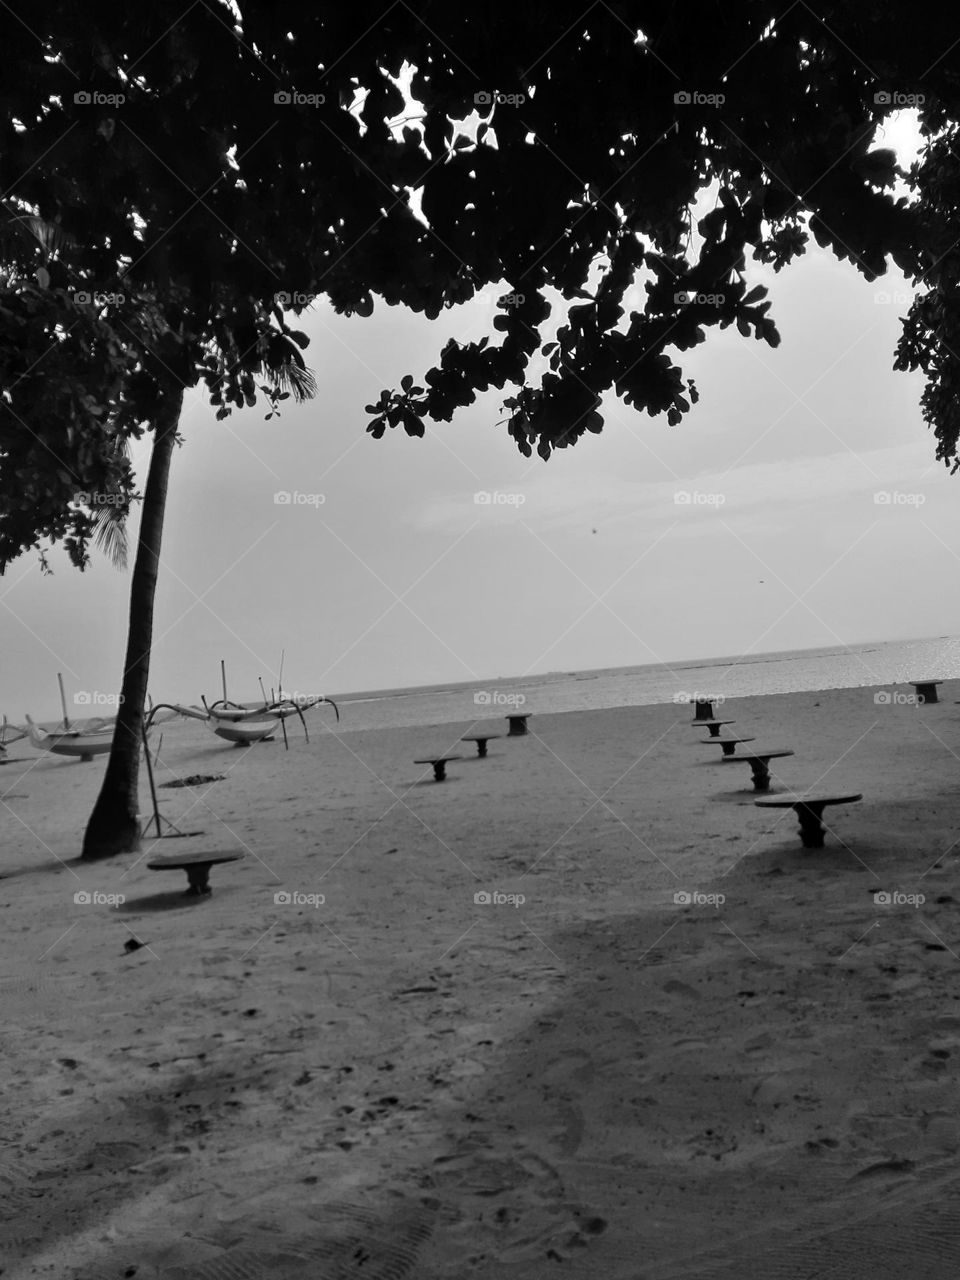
(400, 1080)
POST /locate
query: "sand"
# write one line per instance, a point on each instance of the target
(402, 1082)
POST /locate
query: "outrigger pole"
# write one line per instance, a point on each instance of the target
(63, 702)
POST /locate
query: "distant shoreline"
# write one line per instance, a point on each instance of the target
(548, 677)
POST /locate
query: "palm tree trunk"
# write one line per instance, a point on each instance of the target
(114, 825)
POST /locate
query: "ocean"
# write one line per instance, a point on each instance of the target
(842, 667)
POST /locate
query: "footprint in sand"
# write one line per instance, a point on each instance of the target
(341, 1240)
(883, 1168)
(19, 1193)
(482, 1175)
(677, 988)
(571, 1119)
(574, 1064)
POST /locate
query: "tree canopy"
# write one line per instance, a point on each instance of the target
(179, 182)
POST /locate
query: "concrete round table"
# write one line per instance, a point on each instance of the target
(759, 762)
(481, 739)
(439, 765)
(926, 690)
(196, 865)
(809, 807)
(712, 726)
(703, 709)
(728, 744)
(518, 724)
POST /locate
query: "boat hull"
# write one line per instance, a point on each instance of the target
(242, 734)
(85, 748)
(80, 746)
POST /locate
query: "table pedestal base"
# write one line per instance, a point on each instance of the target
(811, 825)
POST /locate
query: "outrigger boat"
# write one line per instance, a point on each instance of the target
(72, 742)
(238, 712)
(91, 738)
(244, 725)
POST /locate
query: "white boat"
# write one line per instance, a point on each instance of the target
(71, 742)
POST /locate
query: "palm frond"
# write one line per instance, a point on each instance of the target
(285, 365)
(49, 235)
(299, 380)
(110, 519)
(110, 534)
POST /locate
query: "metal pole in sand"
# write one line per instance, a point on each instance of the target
(157, 815)
(153, 789)
(283, 729)
(283, 723)
(63, 701)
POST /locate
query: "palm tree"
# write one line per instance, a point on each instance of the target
(114, 825)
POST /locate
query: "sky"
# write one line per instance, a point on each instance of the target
(799, 504)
